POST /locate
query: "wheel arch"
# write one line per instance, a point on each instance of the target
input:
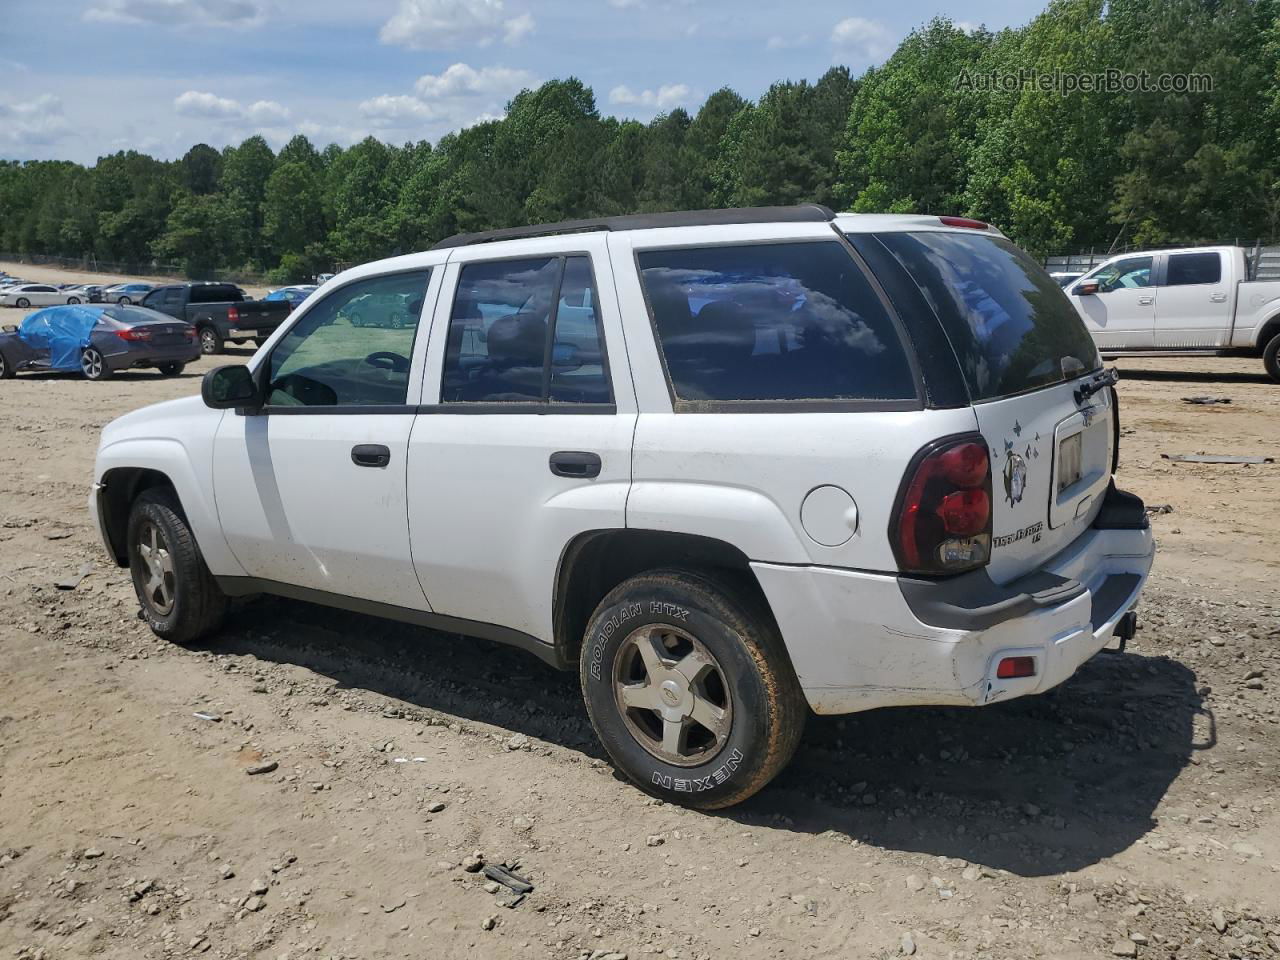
(127, 468)
(595, 562)
(1270, 328)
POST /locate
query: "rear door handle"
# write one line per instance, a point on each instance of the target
(1218, 297)
(575, 463)
(370, 455)
(1146, 301)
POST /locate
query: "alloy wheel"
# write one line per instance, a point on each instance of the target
(159, 586)
(92, 364)
(672, 694)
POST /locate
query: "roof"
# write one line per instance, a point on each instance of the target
(801, 213)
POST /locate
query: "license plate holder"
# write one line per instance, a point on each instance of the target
(1070, 461)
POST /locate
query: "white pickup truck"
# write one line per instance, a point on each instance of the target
(1184, 302)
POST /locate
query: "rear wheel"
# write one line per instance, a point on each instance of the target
(1271, 358)
(124, 301)
(210, 342)
(72, 301)
(93, 365)
(171, 369)
(689, 688)
(180, 600)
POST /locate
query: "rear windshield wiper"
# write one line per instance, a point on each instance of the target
(1107, 378)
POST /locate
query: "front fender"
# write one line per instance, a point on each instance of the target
(193, 486)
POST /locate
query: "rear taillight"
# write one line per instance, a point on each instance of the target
(943, 521)
(233, 315)
(134, 334)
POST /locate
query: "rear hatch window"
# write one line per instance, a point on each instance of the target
(1011, 326)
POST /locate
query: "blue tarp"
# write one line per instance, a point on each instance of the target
(63, 331)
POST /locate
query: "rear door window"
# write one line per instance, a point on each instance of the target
(526, 331)
(1012, 327)
(1190, 268)
(773, 322)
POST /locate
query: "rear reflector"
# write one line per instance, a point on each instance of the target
(964, 222)
(1011, 668)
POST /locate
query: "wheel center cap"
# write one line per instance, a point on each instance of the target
(671, 693)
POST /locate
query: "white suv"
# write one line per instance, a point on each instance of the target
(730, 465)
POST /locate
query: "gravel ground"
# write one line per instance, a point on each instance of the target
(1132, 812)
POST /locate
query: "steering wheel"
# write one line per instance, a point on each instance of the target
(388, 361)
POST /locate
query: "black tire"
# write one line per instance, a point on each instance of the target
(211, 342)
(1271, 358)
(22, 303)
(94, 365)
(196, 605)
(259, 341)
(171, 369)
(6, 368)
(356, 320)
(124, 301)
(755, 693)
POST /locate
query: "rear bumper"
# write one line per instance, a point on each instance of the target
(154, 356)
(864, 640)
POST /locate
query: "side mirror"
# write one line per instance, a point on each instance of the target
(225, 388)
(1086, 288)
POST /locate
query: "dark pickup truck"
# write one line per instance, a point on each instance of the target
(219, 312)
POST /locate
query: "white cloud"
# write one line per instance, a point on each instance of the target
(391, 110)
(862, 38)
(220, 13)
(263, 113)
(195, 103)
(457, 97)
(664, 98)
(968, 26)
(446, 24)
(777, 42)
(37, 122)
(461, 80)
(517, 28)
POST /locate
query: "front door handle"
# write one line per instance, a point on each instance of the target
(1146, 301)
(576, 464)
(370, 455)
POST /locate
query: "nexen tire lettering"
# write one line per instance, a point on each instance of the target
(697, 784)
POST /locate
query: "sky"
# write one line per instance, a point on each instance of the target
(83, 78)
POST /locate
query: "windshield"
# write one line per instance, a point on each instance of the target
(1010, 324)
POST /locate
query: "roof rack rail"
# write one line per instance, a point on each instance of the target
(801, 213)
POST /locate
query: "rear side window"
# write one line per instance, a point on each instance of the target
(1189, 268)
(215, 293)
(526, 331)
(785, 321)
(1012, 327)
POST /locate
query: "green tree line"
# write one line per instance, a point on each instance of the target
(923, 132)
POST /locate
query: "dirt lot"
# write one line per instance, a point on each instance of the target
(1132, 813)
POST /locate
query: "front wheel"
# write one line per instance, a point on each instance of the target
(210, 342)
(72, 301)
(6, 368)
(23, 303)
(180, 600)
(124, 301)
(690, 689)
(1271, 358)
(171, 369)
(93, 365)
